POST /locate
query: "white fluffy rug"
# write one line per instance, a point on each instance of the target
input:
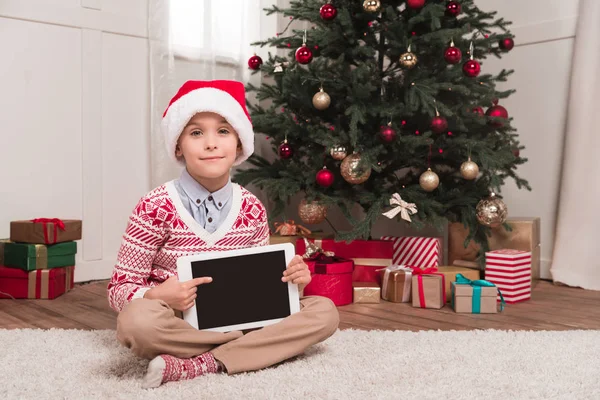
(71, 364)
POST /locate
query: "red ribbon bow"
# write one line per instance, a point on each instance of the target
(57, 223)
(428, 271)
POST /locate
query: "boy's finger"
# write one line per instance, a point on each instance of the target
(198, 281)
(293, 269)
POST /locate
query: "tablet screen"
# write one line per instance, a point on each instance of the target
(244, 289)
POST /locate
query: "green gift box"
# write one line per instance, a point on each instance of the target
(30, 257)
(2, 243)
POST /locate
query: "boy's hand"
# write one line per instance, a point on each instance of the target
(178, 295)
(297, 272)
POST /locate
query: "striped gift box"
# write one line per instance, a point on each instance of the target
(510, 270)
(421, 252)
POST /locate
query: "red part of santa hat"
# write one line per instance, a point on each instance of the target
(223, 97)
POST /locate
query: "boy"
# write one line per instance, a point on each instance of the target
(207, 129)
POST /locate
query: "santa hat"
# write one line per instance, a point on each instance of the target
(226, 98)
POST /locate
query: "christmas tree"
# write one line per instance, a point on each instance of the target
(382, 100)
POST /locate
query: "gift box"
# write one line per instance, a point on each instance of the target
(525, 236)
(277, 239)
(39, 284)
(366, 292)
(473, 296)
(510, 271)
(39, 256)
(2, 243)
(331, 278)
(423, 252)
(396, 283)
(450, 273)
(428, 289)
(368, 255)
(45, 231)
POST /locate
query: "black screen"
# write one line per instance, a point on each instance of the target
(244, 289)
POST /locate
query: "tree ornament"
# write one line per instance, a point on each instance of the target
(478, 110)
(254, 62)
(328, 12)
(372, 6)
(415, 4)
(516, 152)
(452, 55)
(312, 213)
(469, 170)
(497, 111)
(471, 68)
(325, 177)
(439, 124)
(506, 44)
(491, 211)
(285, 150)
(453, 9)
(388, 134)
(354, 170)
(304, 54)
(429, 180)
(338, 152)
(408, 60)
(321, 100)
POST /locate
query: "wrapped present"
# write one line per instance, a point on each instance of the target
(277, 239)
(525, 236)
(39, 256)
(368, 255)
(39, 284)
(2, 243)
(510, 271)
(45, 231)
(474, 296)
(331, 278)
(450, 273)
(423, 252)
(396, 283)
(366, 292)
(428, 288)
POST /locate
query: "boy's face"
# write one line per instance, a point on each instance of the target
(209, 146)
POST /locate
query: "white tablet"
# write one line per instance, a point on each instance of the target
(246, 291)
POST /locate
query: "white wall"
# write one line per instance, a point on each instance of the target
(74, 111)
(544, 31)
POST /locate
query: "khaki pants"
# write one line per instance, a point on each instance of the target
(150, 328)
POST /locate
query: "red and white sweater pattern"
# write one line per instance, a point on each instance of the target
(160, 230)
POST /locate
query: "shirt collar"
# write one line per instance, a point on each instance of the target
(195, 191)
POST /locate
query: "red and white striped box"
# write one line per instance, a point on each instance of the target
(421, 252)
(510, 270)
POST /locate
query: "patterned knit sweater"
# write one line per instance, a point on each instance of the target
(160, 230)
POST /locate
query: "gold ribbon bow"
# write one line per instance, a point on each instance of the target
(289, 228)
(312, 250)
(405, 209)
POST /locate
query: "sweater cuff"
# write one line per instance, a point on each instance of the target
(139, 294)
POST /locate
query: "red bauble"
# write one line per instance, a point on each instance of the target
(439, 124)
(388, 134)
(415, 4)
(497, 112)
(255, 62)
(285, 151)
(304, 55)
(453, 9)
(506, 44)
(328, 12)
(471, 68)
(452, 55)
(516, 152)
(478, 110)
(325, 177)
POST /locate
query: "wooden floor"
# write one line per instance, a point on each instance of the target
(551, 308)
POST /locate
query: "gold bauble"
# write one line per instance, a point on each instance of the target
(354, 170)
(338, 152)
(321, 100)
(312, 213)
(469, 170)
(491, 211)
(372, 6)
(429, 180)
(408, 60)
